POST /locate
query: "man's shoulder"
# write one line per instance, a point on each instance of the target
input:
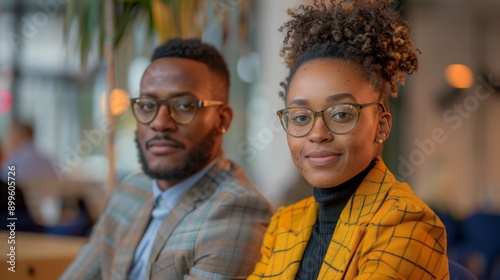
(135, 181)
(133, 188)
(229, 177)
(228, 184)
(128, 198)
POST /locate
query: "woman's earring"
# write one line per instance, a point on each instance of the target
(223, 130)
(380, 141)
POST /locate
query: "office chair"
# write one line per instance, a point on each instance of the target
(459, 272)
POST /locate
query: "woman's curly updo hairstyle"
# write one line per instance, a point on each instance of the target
(366, 33)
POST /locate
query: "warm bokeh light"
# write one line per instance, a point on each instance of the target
(459, 76)
(120, 101)
(5, 101)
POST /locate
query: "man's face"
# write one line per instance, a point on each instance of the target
(171, 152)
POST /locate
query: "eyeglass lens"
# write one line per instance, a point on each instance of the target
(339, 118)
(182, 110)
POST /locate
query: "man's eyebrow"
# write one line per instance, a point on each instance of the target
(173, 94)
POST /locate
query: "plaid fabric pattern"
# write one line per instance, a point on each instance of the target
(384, 232)
(214, 231)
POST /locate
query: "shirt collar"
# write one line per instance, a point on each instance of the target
(174, 193)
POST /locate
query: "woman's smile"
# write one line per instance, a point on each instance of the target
(322, 158)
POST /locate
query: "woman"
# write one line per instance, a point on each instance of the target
(345, 62)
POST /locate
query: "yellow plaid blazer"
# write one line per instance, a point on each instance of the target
(384, 232)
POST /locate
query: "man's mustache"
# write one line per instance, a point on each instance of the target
(164, 137)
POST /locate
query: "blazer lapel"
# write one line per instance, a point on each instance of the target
(294, 235)
(170, 222)
(353, 220)
(201, 190)
(126, 249)
(302, 237)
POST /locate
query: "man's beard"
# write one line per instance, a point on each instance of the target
(196, 160)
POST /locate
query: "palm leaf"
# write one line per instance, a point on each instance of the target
(167, 17)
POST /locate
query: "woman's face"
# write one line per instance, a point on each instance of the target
(326, 159)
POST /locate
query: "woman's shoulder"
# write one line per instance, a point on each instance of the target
(296, 207)
(402, 204)
(403, 193)
(295, 213)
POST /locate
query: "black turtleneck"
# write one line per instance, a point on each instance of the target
(331, 203)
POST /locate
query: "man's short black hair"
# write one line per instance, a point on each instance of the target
(199, 51)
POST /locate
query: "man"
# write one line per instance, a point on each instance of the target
(200, 217)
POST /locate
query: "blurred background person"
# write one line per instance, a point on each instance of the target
(40, 200)
(21, 152)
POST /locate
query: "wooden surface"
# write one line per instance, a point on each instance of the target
(38, 256)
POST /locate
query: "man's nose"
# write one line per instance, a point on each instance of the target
(163, 121)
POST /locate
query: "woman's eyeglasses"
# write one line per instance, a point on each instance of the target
(339, 118)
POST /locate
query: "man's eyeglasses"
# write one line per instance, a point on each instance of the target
(339, 118)
(181, 109)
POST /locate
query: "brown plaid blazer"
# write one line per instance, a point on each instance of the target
(214, 232)
(384, 232)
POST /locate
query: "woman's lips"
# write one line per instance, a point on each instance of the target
(162, 146)
(322, 158)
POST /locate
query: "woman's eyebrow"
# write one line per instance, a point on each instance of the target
(340, 96)
(300, 102)
(330, 99)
